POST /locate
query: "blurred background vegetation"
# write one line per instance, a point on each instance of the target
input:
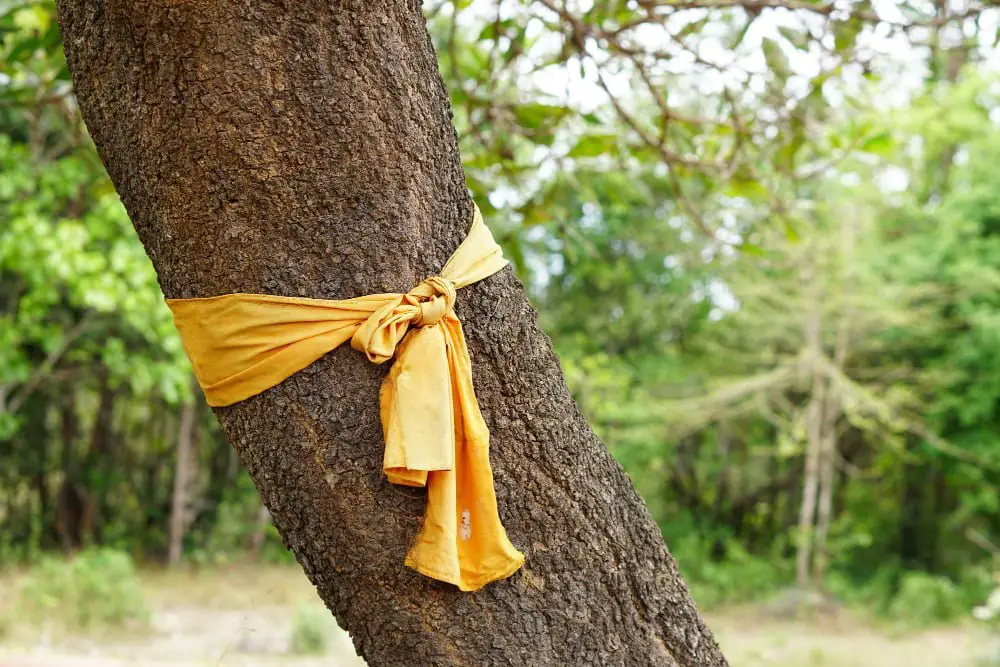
(764, 236)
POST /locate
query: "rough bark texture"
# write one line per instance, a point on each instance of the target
(306, 148)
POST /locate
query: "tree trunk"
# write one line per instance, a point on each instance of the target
(832, 408)
(911, 507)
(824, 508)
(95, 469)
(813, 336)
(182, 474)
(306, 149)
(41, 484)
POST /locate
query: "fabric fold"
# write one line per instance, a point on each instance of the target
(435, 436)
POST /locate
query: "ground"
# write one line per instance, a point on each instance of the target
(243, 616)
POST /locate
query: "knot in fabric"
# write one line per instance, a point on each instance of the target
(435, 436)
(435, 298)
(423, 306)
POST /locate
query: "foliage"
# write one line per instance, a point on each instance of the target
(924, 599)
(741, 578)
(311, 629)
(235, 522)
(96, 589)
(92, 371)
(989, 610)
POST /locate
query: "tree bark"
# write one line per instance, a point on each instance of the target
(306, 149)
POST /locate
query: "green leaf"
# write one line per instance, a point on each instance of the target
(879, 144)
(845, 34)
(495, 28)
(741, 35)
(534, 116)
(751, 249)
(796, 37)
(785, 157)
(791, 231)
(692, 28)
(746, 188)
(593, 145)
(776, 60)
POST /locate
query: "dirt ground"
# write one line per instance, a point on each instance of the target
(240, 616)
(753, 641)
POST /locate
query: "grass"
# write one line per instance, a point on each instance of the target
(97, 591)
(312, 628)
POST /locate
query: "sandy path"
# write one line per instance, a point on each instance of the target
(189, 637)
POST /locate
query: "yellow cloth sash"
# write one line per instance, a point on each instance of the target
(435, 436)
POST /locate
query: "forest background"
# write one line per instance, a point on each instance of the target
(764, 236)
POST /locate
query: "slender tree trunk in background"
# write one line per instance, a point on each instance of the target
(76, 512)
(230, 471)
(814, 426)
(307, 149)
(220, 470)
(810, 487)
(911, 504)
(260, 532)
(831, 409)
(723, 481)
(939, 488)
(41, 483)
(96, 461)
(824, 507)
(33, 442)
(69, 430)
(180, 500)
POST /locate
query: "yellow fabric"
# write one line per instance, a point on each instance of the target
(435, 436)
